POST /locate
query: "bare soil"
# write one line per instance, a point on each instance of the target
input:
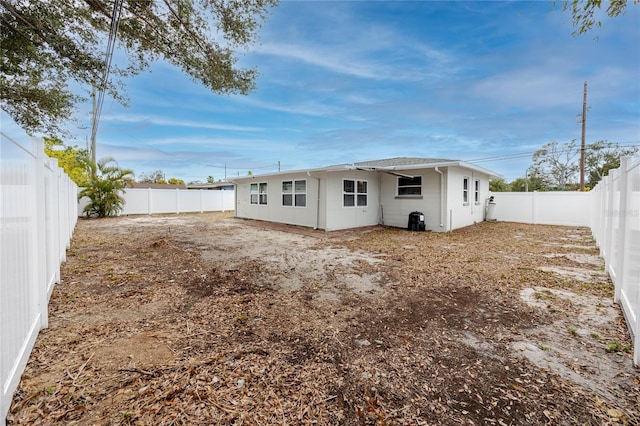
(208, 319)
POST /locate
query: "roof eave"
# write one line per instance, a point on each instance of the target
(343, 167)
(464, 164)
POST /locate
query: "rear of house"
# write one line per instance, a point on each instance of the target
(451, 194)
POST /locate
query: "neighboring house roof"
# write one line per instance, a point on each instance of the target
(217, 185)
(145, 185)
(389, 165)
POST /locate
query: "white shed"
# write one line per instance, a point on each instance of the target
(451, 194)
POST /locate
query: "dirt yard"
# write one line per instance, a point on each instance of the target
(207, 319)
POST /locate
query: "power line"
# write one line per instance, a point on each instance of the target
(173, 155)
(97, 110)
(563, 150)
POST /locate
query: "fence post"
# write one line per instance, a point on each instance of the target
(201, 207)
(149, 201)
(55, 221)
(177, 202)
(596, 213)
(534, 216)
(612, 219)
(62, 215)
(604, 205)
(40, 247)
(622, 230)
(608, 221)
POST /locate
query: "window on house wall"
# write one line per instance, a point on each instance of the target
(476, 191)
(254, 193)
(410, 186)
(300, 193)
(262, 188)
(294, 193)
(287, 193)
(465, 190)
(354, 193)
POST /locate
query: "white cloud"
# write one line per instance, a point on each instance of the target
(330, 59)
(168, 122)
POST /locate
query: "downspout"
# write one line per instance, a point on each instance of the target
(381, 210)
(235, 200)
(317, 201)
(441, 195)
(473, 182)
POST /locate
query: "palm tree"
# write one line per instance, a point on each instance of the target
(105, 182)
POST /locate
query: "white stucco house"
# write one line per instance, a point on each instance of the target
(451, 194)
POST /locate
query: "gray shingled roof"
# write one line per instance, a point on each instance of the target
(388, 165)
(401, 161)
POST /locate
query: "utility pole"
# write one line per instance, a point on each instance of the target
(583, 145)
(92, 151)
(278, 166)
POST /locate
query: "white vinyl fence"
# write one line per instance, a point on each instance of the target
(37, 216)
(544, 208)
(159, 201)
(616, 228)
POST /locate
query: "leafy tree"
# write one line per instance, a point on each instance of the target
(152, 177)
(518, 185)
(71, 158)
(105, 183)
(210, 179)
(499, 185)
(556, 165)
(174, 181)
(536, 181)
(583, 11)
(47, 45)
(602, 156)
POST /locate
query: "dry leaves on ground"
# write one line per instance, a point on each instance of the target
(207, 319)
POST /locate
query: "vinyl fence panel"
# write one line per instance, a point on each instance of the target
(544, 208)
(627, 253)
(616, 227)
(37, 217)
(166, 201)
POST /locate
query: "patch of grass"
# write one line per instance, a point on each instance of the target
(544, 295)
(544, 347)
(242, 317)
(595, 335)
(128, 416)
(573, 331)
(618, 347)
(50, 390)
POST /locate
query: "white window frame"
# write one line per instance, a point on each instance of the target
(294, 193)
(465, 190)
(258, 193)
(399, 187)
(253, 193)
(357, 193)
(476, 191)
(262, 193)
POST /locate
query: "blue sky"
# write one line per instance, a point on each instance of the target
(342, 82)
